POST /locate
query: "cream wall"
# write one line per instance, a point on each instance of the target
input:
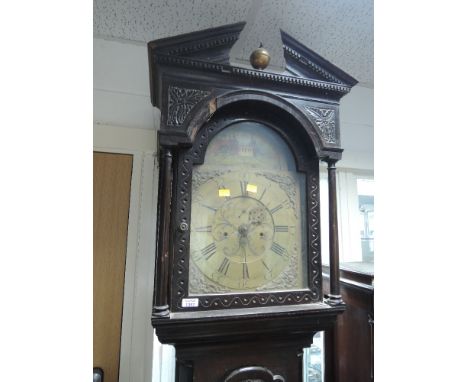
(121, 85)
(357, 129)
(125, 121)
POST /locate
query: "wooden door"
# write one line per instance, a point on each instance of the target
(111, 191)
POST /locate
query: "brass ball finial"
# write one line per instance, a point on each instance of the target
(260, 58)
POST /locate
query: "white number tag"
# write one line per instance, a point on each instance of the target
(189, 302)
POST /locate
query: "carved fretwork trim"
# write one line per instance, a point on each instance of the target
(202, 45)
(251, 74)
(180, 102)
(325, 120)
(290, 80)
(314, 233)
(316, 68)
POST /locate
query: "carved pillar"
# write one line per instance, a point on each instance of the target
(334, 297)
(161, 305)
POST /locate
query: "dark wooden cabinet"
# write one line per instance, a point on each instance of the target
(352, 339)
(223, 331)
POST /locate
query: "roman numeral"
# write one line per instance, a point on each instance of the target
(276, 209)
(266, 266)
(207, 252)
(281, 228)
(203, 229)
(245, 271)
(223, 268)
(243, 187)
(210, 208)
(278, 249)
(261, 196)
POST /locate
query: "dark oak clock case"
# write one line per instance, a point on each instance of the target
(256, 335)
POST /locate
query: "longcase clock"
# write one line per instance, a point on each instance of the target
(238, 285)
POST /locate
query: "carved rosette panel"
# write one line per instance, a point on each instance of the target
(180, 102)
(325, 119)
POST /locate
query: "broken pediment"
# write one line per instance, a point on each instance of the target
(303, 62)
(208, 51)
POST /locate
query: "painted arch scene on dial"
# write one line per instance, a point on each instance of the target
(247, 215)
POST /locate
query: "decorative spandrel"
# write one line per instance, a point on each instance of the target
(325, 120)
(248, 215)
(180, 102)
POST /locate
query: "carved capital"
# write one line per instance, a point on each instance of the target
(180, 102)
(325, 119)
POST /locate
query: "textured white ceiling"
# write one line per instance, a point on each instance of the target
(341, 31)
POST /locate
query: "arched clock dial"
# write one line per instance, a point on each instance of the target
(244, 228)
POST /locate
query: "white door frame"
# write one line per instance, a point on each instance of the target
(136, 349)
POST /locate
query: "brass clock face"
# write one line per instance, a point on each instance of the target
(246, 225)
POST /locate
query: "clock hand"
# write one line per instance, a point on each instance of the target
(243, 240)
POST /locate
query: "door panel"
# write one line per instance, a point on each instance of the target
(111, 192)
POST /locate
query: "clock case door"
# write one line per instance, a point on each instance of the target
(307, 162)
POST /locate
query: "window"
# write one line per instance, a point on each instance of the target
(313, 361)
(365, 188)
(355, 199)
